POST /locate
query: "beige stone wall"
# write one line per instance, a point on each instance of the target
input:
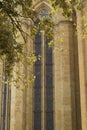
(21, 97)
(82, 68)
(64, 77)
(29, 75)
(16, 114)
(84, 22)
(70, 79)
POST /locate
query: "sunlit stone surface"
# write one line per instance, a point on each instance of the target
(57, 99)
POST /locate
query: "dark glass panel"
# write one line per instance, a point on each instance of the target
(49, 121)
(4, 107)
(37, 85)
(48, 53)
(37, 121)
(49, 59)
(49, 88)
(49, 76)
(49, 100)
(37, 100)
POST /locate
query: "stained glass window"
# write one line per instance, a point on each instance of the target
(44, 14)
(39, 95)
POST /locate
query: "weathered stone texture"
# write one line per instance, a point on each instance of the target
(64, 78)
(64, 97)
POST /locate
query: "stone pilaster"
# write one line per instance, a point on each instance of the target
(84, 38)
(64, 77)
(21, 96)
(29, 75)
(82, 53)
(16, 112)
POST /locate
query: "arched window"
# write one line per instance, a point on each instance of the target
(6, 102)
(43, 87)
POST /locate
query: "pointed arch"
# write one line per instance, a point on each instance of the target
(42, 5)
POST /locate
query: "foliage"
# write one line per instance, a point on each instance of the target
(47, 25)
(9, 47)
(68, 6)
(10, 13)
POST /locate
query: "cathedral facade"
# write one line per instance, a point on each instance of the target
(57, 100)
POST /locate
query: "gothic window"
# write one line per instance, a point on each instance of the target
(49, 87)
(44, 14)
(4, 107)
(37, 85)
(6, 103)
(47, 95)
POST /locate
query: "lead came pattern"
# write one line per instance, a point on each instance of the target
(37, 85)
(37, 121)
(49, 121)
(49, 87)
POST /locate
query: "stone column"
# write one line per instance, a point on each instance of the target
(82, 53)
(43, 81)
(16, 113)
(84, 29)
(29, 75)
(64, 77)
(21, 96)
